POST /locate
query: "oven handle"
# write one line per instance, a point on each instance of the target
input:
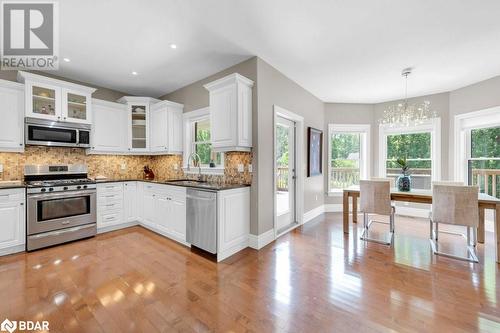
(61, 195)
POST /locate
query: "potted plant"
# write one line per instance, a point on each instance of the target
(404, 180)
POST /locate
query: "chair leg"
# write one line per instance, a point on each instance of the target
(436, 231)
(431, 236)
(468, 236)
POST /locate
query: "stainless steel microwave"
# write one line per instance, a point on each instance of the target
(40, 132)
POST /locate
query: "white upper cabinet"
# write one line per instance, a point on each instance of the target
(231, 113)
(138, 109)
(109, 130)
(166, 128)
(12, 116)
(57, 100)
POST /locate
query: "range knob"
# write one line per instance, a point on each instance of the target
(84, 186)
(43, 190)
(78, 187)
(51, 189)
(65, 188)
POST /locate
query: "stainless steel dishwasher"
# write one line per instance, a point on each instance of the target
(201, 214)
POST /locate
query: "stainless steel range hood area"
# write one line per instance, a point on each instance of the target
(41, 132)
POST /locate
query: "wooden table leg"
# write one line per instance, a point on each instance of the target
(354, 209)
(345, 211)
(497, 229)
(480, 229)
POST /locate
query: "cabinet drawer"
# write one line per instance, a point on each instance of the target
(110, 187)
(12, 195)
(109, 197)
(107, 206)
(110, 218)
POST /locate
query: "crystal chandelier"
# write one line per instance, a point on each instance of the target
(405, 114)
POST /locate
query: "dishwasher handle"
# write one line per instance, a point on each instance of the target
(200, 198)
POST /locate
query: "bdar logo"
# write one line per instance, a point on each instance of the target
(8, 325)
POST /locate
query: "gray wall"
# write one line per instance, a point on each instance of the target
(342, 113)
(195, 97)
(101, 92)
(276, 89)
(478, 96)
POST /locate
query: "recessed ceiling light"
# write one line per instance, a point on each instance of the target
(135, 73)
(173, 46)
(67, 59)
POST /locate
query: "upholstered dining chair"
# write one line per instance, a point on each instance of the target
(375, 196)
(392, 181)
(456, 205)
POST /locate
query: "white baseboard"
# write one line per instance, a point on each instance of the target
(333, 208)
(258, 242)
(13, 249)
(232, 250)
(308, 216)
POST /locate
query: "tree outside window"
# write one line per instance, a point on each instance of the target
(201, 144)
(345, 160)
(416, 147)
(484, 164)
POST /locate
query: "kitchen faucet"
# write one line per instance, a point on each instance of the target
(192, 157)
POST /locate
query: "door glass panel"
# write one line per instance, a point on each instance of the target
(77, 106)
(44, 100)
(61, 208)
(138, 126)
(484, 164)
(284, 168)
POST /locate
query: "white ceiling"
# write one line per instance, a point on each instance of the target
(339, 50)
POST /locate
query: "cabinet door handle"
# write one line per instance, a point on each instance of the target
(20, 144)
(22, 204)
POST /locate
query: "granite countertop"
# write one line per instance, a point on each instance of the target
(181, 182)
(5, 185)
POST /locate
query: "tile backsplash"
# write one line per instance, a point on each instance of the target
(119, 166)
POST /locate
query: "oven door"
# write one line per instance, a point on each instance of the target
(53, 211)
(51, 135)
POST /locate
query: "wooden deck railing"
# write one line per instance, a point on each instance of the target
(282, 179)
(488, 181)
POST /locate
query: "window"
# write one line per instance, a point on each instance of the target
(419, 144)
(197, 140)
(484, 162)
(477, 150)
(348, 154)
(201, 144)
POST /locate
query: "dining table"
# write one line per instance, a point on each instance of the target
(485, 202)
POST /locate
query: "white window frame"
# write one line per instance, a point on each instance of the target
(364, 150)
(463, 126)
(189, 118)
(432, 126)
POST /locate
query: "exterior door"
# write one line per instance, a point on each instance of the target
(285, 148)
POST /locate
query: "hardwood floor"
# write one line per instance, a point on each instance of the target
(313, 279)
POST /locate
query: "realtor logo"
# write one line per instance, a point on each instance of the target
(30, 35)
(8, 326)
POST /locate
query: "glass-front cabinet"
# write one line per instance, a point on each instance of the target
(138, 122)
(56, 100)
(76, 106)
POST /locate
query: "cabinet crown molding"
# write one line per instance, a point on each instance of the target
(164, 103)
(102, 102)
(137, 99)
(226, 80)
(11, 85)
(30, 77)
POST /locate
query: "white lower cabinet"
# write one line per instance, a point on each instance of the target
(130, 202)
(233, 221)
(109, 206)
(12, 221)
(162, 209)
(165, 210)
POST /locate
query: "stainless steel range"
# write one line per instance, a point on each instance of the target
(61, 204)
